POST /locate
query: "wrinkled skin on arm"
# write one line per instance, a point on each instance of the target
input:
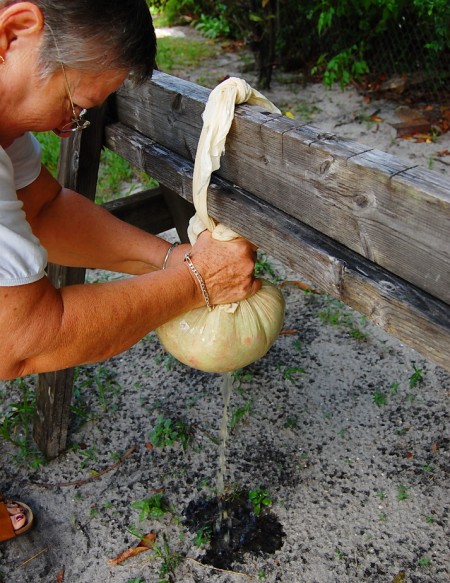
(44, 329)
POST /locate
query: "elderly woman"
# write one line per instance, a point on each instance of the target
(58, 58)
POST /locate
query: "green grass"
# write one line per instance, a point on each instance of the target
(168, 431)
(50, 150)
(336, 313)
(153, 507)
(177, 54)
(16, 421)
(116, 176)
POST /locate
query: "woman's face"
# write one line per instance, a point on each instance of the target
(31, 103)
(82, 90)
(46, 105)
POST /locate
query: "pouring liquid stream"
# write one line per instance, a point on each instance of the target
(223, 519)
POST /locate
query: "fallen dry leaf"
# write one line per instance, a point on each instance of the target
(145, 544)
(423, 138)
(418, 138)
(443, 153)
(400, 577)
(60, 576)
(289, 331)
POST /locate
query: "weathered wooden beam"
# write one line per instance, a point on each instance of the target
(78, 168)
(371, 202)
(397, 306)
(146, 210)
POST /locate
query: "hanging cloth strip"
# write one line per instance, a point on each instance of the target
(217, 118)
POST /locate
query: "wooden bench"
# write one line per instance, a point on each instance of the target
(364, 226)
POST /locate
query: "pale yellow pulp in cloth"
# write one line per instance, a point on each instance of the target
(232, 335)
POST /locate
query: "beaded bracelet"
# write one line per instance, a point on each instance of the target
(169, 251)
(199, 278)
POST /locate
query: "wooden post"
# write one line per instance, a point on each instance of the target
(78, 169)
(181, 211)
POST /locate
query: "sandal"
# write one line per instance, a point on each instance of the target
(15, 518)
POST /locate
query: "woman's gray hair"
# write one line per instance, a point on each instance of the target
(97, 35)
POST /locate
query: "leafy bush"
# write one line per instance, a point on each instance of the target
(339, 39)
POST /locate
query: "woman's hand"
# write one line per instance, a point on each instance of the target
(227, 268)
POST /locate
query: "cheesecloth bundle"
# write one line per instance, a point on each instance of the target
(232, 335)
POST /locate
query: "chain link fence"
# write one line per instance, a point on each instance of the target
(399, 56)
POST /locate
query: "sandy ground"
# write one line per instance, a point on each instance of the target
(353, 454)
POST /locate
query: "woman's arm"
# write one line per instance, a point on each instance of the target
(43, 328)
(78, 233)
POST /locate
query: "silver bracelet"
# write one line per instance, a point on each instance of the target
(169, 251)
(199, 278)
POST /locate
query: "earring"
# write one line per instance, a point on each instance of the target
(2, 60)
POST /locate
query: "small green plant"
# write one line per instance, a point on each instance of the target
(379, 398)
(94, 512)
(239, 414)
(261, 575)
(340, 554)
(154, 507)
(89, 455)
(297, 344)
(16, 422)
(136, 580)
(263, 269)
(381, 494)
(170, 562)
(167, 431)
(291, 422)
(416, 378)
(167, 360)
(429, 519)
(336, 313)
(240, 377)
(103, 380)
(306, 110)
(202, 536)
(342, 67)
(402, 431)
(402, 493)
(394, 388)
(213, 26)
(424, 562)
(259, 499)
(289, 372)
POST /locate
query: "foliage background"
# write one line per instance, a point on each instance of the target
(341, 40)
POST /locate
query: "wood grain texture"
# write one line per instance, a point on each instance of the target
(78, 169)
(370, 201)
(397, 306)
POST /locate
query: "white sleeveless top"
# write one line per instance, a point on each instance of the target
(22, 257)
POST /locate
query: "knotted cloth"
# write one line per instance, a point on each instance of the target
(232, 335)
